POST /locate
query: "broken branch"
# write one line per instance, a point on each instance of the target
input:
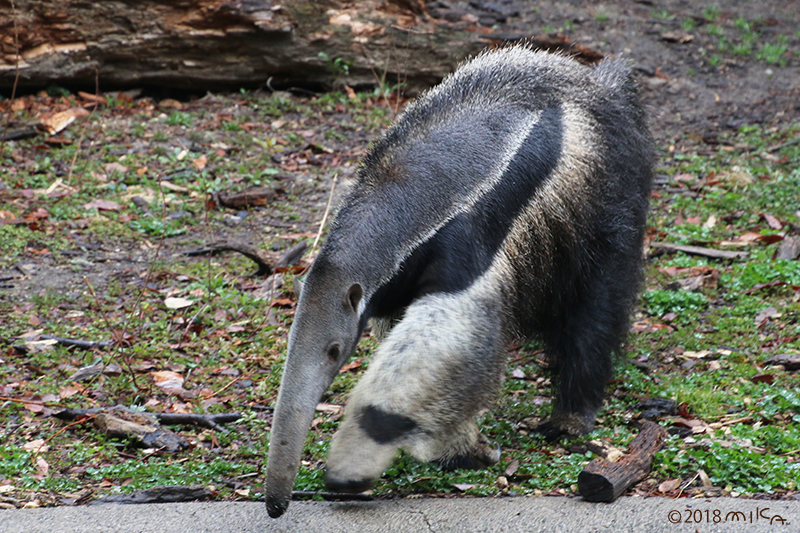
(604, 481)
(255, 255)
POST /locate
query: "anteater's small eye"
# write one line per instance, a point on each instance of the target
(334, 350)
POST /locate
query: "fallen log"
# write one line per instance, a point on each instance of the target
(216, 44)
(605, 481)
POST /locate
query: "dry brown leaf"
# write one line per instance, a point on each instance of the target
(115, 167)
(59, 121)
(42, 468)
(329, 408)
(103, 205)
(69, 390)
(669, 485)
(200, 163)
(167, 380)
(36, 446)
(772, 221)
(769, 312)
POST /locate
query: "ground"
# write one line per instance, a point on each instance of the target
(95, 221)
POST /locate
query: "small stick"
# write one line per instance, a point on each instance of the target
(79, 343)
(327, 209)
(234, 380)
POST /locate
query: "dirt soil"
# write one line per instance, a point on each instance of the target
(695, 83)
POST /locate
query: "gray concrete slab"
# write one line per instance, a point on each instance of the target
(508, 515)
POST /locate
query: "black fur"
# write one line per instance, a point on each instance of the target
(510, 201)
(383, 427)
(575, 286)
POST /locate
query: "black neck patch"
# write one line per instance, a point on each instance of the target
(384, 427)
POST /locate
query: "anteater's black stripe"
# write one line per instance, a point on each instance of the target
(465, 247)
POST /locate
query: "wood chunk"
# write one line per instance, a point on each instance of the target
(789, 361)
(120, 422)
(251, 197)
(602, 481)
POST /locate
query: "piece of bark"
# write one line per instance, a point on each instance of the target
(24, 132)
(251, 197)
(602, 481)
(122, 423)
(167, 494)
(789, 249)
(789, 361)
(211, 421)
(698, 250)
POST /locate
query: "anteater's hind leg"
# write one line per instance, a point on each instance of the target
(437, 368)
(581, 343)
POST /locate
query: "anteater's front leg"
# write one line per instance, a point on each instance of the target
(438, 367)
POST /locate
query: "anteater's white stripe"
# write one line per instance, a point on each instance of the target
(512, 144)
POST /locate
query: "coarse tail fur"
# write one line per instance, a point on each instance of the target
(509, 201)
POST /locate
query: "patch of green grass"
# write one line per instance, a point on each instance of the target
(736, 468)
(711, 13)
(773, 52)
(180, 118)
(157, 226)
(661, 302)
(662, 14)
(155, 472)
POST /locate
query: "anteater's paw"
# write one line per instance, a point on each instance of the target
(481, 457)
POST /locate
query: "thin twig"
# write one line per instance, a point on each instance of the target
(120, 342)
(325, 215)
(32, 402)
(151, 268)
(62, 430)
(234, 380)
(188, 325)
(686, 485)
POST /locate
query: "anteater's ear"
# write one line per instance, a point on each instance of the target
(298, 286)
(353, 298)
